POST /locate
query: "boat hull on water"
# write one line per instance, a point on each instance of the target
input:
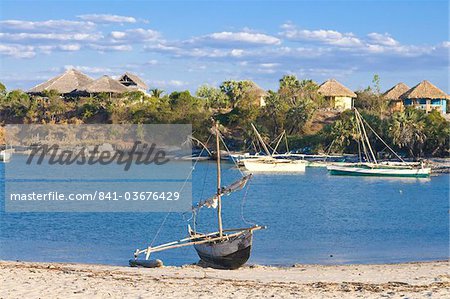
(275, 165)
(229, 253)
(5, 156)
(379, 171)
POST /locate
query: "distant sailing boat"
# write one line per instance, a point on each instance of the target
(5, 155)
(373, 167)
(225, 248)
(271, 164)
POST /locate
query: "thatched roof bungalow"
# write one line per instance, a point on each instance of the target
(426, 96)
(104, 84)
(393, 96)
(259, 93)
(65, 83)
(133, 82)
(340, 96)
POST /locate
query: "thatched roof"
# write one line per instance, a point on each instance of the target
(64, 83)
(332, 88)
(138, 81)
(396, 91)
(425, 90)
(104, 84)
(257, 89)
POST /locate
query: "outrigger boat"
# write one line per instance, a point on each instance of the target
(272, 162)
(5, 155)
(223, 249)
(373, 167)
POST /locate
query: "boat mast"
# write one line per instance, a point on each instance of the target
(219, 200)
(365, 135)
(263, 144)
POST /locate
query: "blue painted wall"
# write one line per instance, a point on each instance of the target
(441, 102)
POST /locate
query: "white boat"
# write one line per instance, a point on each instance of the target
(379, 170)
(269, 164)
(373, 167)
(238, 158)
(5, 156)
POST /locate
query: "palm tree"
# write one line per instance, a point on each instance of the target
(344, 131)
(156, 92)
(407, 130)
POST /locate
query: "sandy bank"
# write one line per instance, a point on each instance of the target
(50, 280)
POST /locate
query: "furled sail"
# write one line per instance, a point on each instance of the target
(238, 185)
(212, 201)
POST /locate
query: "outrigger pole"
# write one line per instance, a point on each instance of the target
(195, 239)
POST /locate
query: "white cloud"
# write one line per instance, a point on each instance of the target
(27, 37)
(331, 37)
(169, 83)
(108, 48)
(89, 69)
(107, 18)
(269, 65)
(227, 39)
(244, 37)
(17, 51)
(382, 39)
(46, 26)
(48, 49)
(70, 47)
(137, 35)
(237, 52)
(152, 62)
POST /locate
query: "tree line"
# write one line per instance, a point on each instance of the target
(292, 108)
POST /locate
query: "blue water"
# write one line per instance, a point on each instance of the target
(311, 218)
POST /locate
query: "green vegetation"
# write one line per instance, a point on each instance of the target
(293, 108)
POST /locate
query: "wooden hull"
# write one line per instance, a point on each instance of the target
(381, 171)
(226, 254)
(274, 165)
(146, 263)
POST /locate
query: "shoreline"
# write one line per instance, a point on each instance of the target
(43, 279)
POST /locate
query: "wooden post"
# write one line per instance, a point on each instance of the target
(219, 200)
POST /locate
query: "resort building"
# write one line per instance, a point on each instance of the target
(341, 97)
(133, 82)
(393, 94)
(427, 97)
(65, 83)
(74, 83)
(260, 94)
(104, 84)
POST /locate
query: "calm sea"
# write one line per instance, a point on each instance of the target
(310, 218)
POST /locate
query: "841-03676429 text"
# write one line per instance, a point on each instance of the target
(98, 195)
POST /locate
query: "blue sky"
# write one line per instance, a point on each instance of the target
(177, 45)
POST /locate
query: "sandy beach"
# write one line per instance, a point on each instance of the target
(58, 280)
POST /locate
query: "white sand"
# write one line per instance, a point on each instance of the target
(55, 280)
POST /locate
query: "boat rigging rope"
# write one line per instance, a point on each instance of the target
(232, 158)
(329, 150)
(373, 131)
(181, 189)
(243, 204)
(360, 131)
